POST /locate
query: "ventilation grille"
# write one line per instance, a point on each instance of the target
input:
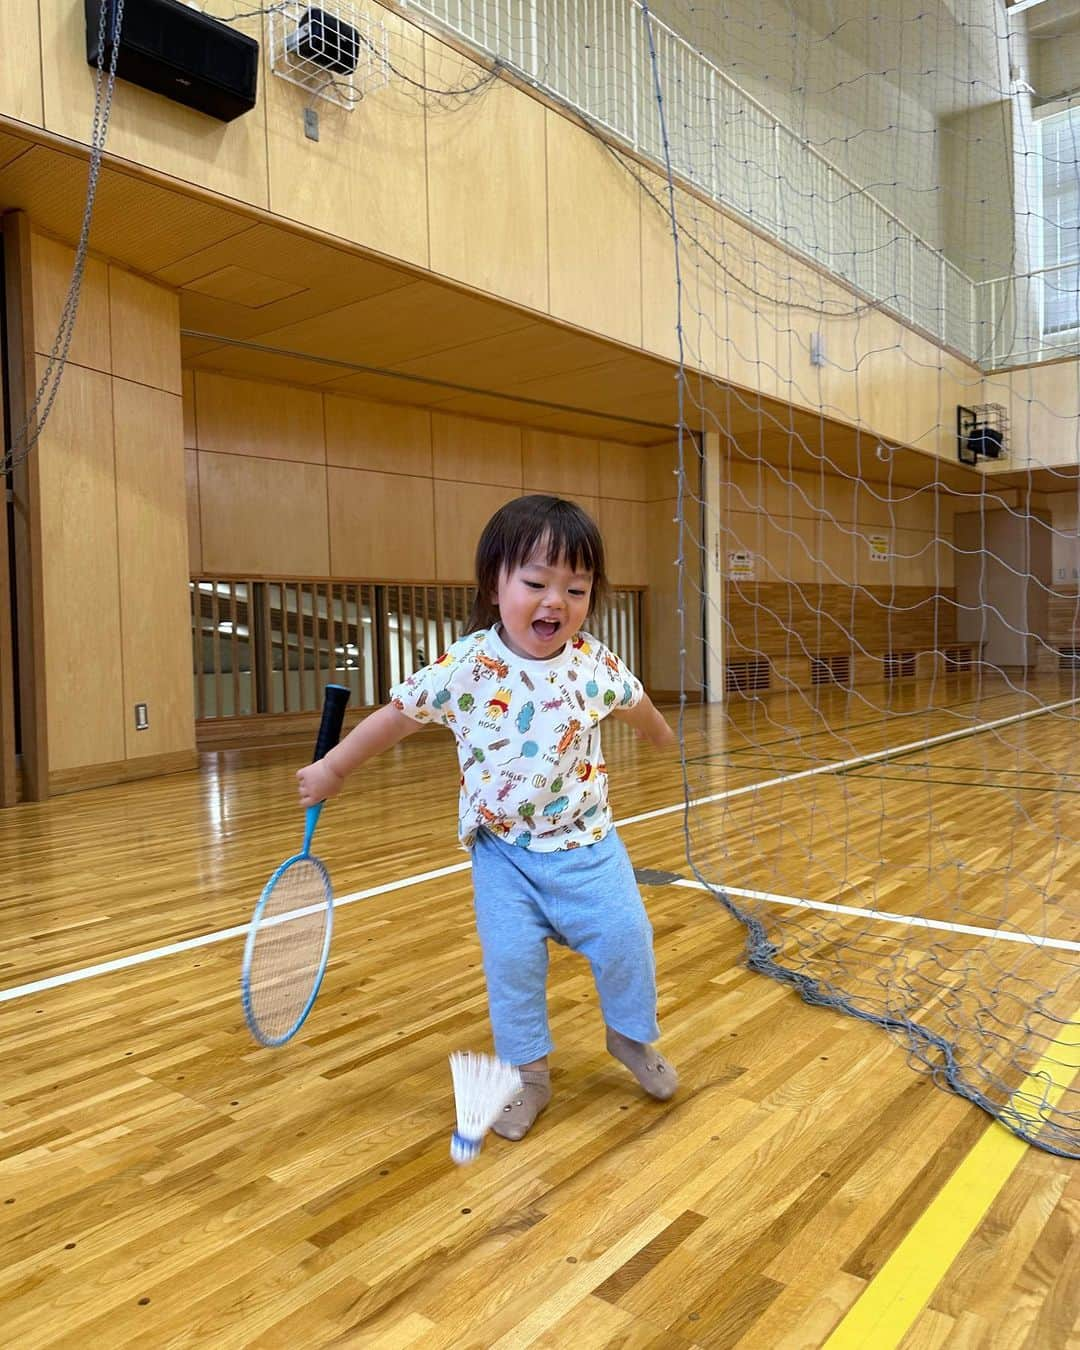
(740, 677)
(958, 658)
(899, 665)
(831, 669)
(1069, 658)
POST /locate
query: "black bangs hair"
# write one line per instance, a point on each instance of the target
(511, 537)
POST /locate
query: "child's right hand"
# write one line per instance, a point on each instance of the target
(317, 782)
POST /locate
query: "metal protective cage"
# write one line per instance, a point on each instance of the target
(333, 51)
(982, 432)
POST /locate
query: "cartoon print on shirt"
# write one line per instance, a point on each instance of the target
(490, 665)
(569, 736)
(499, 704)
(531, 768)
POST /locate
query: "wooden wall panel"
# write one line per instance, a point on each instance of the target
(1042, 404)
(263, 516)
(661, 469)
(663, 602)
(779, 620)
(20, 71)
(461, 512)
(623, 471)
(194, 526)
(485, 171)
(408, 492)
(468, 450)
(382, 526)
(659, 307)
(594, 234)
(245, 417)
(52, 264)
(624, 526)
(365, 178)
(191, 439)
(565, 465)
(153, 552)
(81, 603)
(698, 268)
(144, 320)
(386, 437)
(21, 380)
(147, 128)
(1065, 543)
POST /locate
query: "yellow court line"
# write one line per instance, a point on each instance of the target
(889, 1305)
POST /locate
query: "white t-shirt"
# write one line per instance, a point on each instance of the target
(528, 736)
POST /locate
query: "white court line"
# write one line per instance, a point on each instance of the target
(884, 915)
(839, 766)
(224, 934)
(206, 939)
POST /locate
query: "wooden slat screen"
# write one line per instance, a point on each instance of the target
(263, 647)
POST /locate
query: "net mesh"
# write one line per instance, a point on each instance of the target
(873, 224)
(287, 949)
(888, 633)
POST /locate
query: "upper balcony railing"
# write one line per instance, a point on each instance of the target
(594, 56)
(1025, 319)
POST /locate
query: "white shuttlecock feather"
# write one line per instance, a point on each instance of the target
(482, 1087)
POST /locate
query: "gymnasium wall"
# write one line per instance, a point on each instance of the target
(110, 487)
(814, 579)
(1042, 404)
(508, 196)
(292, 482)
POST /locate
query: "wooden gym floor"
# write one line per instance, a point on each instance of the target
(166, 1182)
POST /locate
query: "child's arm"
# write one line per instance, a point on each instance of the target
(368, 738)
(648, 722)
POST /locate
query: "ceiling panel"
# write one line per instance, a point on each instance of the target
(192, 348)
(390, 388)
(283, 367)
(10, 147)
(541, 349)
(136, 222)
(411, 321)
(603, 428)
(244, 286)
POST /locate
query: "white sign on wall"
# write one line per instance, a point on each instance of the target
(879, 547)
(740, 565)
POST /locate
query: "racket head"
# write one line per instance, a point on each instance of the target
(287, 949)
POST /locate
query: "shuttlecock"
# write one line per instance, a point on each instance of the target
(482, 1087)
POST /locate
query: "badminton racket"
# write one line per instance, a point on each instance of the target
(288, 942)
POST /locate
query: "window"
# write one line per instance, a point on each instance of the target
(1061, 221)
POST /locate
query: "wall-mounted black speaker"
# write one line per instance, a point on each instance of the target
(179, 52)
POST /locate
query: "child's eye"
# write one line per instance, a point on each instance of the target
(577, 592)
(534, 585)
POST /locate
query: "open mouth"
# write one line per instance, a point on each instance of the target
(545, 629)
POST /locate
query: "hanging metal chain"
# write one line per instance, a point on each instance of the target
(26, 438)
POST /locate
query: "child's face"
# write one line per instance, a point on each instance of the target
(542, 605)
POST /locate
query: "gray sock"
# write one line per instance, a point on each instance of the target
(646, 1063)
(516, 1118)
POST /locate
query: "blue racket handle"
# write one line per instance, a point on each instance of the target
(335, 701)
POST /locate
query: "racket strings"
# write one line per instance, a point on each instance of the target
(288, 948)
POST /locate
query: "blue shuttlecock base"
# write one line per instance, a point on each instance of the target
(464, 1150)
